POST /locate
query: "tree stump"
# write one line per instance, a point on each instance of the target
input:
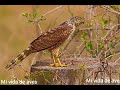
(46, 75)
(75, 74)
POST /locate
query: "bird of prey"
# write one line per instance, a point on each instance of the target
(50, 40)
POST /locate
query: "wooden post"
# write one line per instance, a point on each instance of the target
(47, 75)
(74, 74)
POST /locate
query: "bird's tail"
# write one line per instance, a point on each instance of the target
(18, 59)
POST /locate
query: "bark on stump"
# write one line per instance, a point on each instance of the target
(74, 74)
(47, 75)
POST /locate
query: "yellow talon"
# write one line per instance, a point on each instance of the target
(59, 65)
(64, 65)
(56, 60)
(54, 64)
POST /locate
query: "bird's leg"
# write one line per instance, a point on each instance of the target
(54, 59)
(58, 59)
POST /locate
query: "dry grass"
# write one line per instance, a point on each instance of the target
(16, 34)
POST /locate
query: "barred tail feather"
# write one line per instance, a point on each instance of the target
(18, 59)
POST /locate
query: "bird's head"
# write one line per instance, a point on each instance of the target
(77, 21)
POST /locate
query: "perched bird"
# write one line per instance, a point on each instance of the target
(50, 40)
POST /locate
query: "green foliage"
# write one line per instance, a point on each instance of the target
(100, 45)
(111, 45)
(113, 42)
(117, 39)
(30, 16)
(89, 45)
(82, 73)
(33, 16)
(84, 35)
(82, 66)
(104, 22)
(42, 77)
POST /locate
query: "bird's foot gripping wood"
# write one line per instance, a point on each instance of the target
(59, 64)
(56, 59)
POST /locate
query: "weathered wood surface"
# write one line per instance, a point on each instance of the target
(74, 74)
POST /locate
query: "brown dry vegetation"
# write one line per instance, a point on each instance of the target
(16, 34)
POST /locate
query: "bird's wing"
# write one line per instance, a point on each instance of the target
(51, 37)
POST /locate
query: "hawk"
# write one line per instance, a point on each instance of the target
(50, 40)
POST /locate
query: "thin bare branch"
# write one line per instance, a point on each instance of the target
(34, 58)
(109, 9)
(49, 12)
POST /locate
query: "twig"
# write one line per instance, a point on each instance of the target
(45, 78)
(13, 76)
(34, 58)
(60, 78)
(74, 36)
(109, 9)
(49, 12)
(111, 55)
(81, 51)
(82, 29)
(39, 28)
(79, 47)
(117, 60)
(105, 38)
(107, 35)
